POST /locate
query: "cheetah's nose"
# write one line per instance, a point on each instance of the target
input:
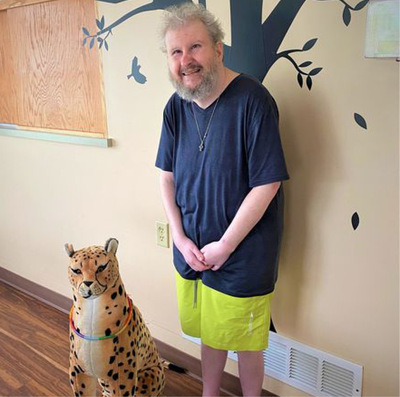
(88, 283)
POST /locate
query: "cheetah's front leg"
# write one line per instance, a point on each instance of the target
(151, 381)
(83, 385)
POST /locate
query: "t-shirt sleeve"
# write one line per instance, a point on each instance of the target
(266, 161)
(165, 153)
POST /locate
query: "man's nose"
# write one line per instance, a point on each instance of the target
(186, 58)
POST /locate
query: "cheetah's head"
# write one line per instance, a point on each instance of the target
(94, 269)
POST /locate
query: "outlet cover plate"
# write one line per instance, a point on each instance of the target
(162, 230)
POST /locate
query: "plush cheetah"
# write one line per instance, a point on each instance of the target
(109, 340)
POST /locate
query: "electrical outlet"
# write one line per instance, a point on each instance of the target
(162, 230)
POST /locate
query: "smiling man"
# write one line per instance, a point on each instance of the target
(221, 165)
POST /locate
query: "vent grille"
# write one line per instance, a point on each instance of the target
(276, 359)
(311, 370)
(308, 369)
(303, 368)
(336, 381)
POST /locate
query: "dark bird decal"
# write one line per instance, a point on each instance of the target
(135, 73)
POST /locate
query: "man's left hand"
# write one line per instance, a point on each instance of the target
(216, 254)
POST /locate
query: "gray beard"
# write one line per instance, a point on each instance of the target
(202, 91)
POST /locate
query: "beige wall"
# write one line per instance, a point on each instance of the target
(338, 288)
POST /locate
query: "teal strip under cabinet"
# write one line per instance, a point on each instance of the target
(15, 131)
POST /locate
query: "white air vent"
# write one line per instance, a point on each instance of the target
(303, 368)
(276, 359)
(337, 381)
(308, 369)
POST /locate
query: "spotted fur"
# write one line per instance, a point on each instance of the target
(125, 365)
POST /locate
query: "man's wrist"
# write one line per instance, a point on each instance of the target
(228, 245)
(178, 238)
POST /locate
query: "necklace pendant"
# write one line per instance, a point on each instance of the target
(201, 146)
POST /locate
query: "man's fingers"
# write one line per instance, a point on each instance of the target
(199, 255)
(196, 259)
(197, 265)
(193, 262)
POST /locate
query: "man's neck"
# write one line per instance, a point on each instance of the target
(225, 77)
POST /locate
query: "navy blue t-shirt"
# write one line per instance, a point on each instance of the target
(242, 150)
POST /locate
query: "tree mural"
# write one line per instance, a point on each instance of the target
(255, 45)
(246, 27)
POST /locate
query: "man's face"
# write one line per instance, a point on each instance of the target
(193, 61)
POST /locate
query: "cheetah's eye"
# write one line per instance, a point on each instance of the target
(76, 271)
(101, 268)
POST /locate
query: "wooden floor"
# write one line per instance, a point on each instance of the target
(34, 350)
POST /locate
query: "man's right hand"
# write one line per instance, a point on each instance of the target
(193, 257)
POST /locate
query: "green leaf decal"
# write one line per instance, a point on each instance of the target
(91, 43)
(360, 120)
(86, 32)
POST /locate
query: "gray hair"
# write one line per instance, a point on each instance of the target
(177, 16)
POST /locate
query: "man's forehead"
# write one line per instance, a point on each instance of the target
(192, 30)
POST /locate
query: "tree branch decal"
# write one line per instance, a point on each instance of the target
(255, 44)
(313, 72)
(100, 24)
(154, 5)
(348, 8)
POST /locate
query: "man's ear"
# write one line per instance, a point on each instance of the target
(219, 48)
(111, 245)
(70, 250)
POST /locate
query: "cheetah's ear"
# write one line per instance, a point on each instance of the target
(111, 245)
(70, 250)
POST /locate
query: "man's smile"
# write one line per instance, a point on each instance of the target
(190, 71)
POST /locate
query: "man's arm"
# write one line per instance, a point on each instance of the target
(250, 212)
(193, 257)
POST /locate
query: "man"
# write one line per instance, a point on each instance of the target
(222, 166)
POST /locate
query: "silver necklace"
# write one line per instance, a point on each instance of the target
(202, 139)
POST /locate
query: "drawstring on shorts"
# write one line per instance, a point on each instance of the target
(195, 293)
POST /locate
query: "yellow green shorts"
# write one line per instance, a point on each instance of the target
(222, 321)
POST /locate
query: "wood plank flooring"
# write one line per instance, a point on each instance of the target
(34, 350)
